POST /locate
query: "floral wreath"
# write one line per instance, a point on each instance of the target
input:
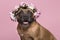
(36, 13)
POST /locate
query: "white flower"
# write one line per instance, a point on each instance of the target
(23, 4)
(16, 7)
(31, 6)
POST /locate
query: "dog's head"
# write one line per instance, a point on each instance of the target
(24, 14)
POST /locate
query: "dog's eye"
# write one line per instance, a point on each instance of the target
(29, 13)
(21, 13)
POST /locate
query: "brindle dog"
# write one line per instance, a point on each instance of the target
(28, 28)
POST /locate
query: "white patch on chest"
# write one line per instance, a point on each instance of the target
(22, 34)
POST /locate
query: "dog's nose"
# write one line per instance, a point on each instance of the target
(25, 18)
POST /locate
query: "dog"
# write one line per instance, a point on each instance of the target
(28, 28)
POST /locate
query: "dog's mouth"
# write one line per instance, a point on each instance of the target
(25, 23)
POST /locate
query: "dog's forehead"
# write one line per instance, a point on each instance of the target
(26, 10)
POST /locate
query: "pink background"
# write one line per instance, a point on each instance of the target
(49, 18)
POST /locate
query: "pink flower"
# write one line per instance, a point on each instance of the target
(37, 14)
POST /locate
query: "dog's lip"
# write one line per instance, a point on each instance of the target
(25, 23)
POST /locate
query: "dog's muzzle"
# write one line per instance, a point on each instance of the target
(25, 19)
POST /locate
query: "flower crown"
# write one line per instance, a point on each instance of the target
(24, 5)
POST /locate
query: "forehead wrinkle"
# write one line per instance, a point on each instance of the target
(19, 10)
(25, 10)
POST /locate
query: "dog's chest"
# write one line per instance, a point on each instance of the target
(30, 32)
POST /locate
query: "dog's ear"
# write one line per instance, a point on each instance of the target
(12, 16)
(13, 13)
(36, 13)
